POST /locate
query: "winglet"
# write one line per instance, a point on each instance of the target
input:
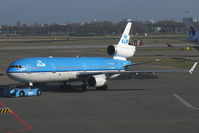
(193, 67)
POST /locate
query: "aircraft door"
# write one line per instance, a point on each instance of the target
(53, 74)
(117, 65)
(84, 67)
(28, 68)
(53, 67)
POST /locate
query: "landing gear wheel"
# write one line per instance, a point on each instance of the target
(68, 86)
(84, 88)
(21, 94)
(39, 92)
(65, 86)
(105, 87)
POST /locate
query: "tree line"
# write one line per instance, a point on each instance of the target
(95, 28)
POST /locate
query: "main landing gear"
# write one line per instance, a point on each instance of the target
(65, 86)
(68, 86)
(84, 87)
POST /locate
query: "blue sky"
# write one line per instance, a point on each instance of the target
(60, 11)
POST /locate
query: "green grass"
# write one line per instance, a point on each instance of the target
(179, 63)
(138, 49)
(159, 39)
(150, 40)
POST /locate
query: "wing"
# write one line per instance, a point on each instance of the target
(139, 63)
(86, 73)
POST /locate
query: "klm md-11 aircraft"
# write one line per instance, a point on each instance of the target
(92, 71)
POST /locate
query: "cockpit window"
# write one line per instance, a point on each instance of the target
(16, 66)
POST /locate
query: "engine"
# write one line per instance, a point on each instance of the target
(97, 80)
(125, 51)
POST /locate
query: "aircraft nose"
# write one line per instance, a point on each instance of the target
(9, 70)
(9, 75)
(13, 76)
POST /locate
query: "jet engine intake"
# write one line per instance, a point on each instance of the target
(97, 80)
(125, 51)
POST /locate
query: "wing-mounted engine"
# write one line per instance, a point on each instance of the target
(97, 80)
(121, 51)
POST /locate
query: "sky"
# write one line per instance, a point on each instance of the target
(61, 11)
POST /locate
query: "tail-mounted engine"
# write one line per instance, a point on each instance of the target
(121, 51)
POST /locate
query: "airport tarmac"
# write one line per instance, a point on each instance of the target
(167, 104)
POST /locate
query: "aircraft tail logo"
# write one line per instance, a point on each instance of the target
(124, 40)
(192, 31)
(193, 34)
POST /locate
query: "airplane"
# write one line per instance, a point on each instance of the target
(92, 71)
(193, 33)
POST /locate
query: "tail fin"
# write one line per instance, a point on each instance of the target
(122, 50)
(193, 33)
(124, 40)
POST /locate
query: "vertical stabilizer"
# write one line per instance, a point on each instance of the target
(122, 50)
(192, 34)
(124, 40)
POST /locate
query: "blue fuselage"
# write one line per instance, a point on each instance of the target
(64, 64)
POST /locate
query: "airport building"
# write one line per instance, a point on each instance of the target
(190, 20)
